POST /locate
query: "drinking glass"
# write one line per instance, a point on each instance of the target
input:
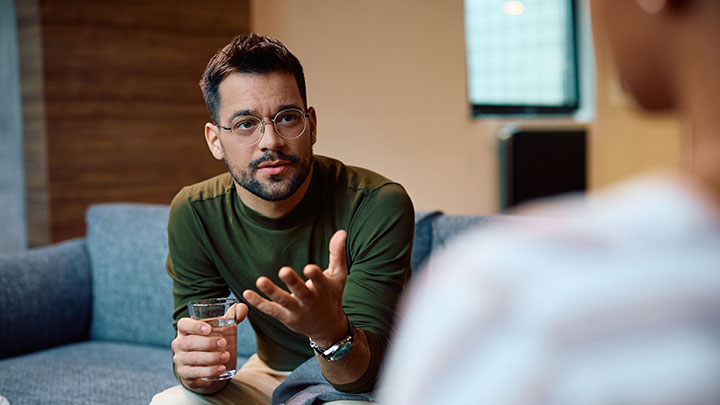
(217, 313)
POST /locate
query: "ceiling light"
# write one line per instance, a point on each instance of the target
(513, 7)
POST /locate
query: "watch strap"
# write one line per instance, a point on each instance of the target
(337, 350)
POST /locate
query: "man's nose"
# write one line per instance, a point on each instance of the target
(270, 139)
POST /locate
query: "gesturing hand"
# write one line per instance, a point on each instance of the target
(312, 307)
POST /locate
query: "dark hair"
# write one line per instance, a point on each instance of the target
(249, 53)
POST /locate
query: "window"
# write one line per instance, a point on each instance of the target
(521, 56)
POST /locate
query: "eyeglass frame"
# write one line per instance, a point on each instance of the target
(264, 122)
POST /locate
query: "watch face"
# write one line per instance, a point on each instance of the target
(338, 350)
(341, 351)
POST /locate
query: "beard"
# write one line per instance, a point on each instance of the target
(277, 187)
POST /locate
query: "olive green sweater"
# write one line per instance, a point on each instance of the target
(218, 244)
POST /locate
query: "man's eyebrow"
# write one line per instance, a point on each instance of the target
(286, 106)
(241, 113)
(245, 113)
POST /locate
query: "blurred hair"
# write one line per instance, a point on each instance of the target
(249, 53)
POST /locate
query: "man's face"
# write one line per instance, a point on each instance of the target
(274, 168)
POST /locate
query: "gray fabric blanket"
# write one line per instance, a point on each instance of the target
(307, 386)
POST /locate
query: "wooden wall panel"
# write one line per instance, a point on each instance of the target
(33, 111)
(124, 113)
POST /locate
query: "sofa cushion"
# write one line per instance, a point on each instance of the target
(448, 227)
(445, 228)
(44, 298)
(423, 239)
(90, 372)
(132, 292)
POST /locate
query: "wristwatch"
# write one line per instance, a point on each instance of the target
(339, 349)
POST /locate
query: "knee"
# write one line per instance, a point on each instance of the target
(173, 395)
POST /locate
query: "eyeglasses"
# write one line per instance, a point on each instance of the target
(249, 130)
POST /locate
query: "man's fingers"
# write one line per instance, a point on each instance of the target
(316, 279)
(192, 372)
(239, 311)
(338, 262)
(295, 284)
(268, 307)
(196, 358)
(189, 326)
(277, 294)
(189, 343)
(253, 298)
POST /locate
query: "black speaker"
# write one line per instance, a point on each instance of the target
(540, 163)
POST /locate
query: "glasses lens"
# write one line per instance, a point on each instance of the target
(290, 123)
(246, 130)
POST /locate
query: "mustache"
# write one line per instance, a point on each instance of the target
(271, 156)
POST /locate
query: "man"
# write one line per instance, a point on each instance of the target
(320, 251)
(616, 299)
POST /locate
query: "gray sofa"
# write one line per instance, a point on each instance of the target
(88, 321)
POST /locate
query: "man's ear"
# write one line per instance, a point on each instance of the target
(313, 125)
(212, 137)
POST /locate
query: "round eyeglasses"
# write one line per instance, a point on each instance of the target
(249, 130)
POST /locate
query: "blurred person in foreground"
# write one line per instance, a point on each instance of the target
(318, 251)
(616, 299)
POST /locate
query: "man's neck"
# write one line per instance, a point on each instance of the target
(274, 209)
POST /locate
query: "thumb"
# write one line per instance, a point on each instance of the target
(241, 311)
(338, 262)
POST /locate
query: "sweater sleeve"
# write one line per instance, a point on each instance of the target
(379, 247)
(188, 264)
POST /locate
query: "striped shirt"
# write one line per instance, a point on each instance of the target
(616, 299)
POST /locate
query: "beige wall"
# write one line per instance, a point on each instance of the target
(388, 80)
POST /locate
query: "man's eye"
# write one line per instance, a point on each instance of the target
(289, 117)
(245, 125)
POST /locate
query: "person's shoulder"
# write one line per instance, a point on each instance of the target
(616, 227)
(188, 202)
(356, 178)
(208, 189)
(636, 262)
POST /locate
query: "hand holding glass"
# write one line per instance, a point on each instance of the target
(219, 313)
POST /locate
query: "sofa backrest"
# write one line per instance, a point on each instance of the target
(132, 298)
(44, 297)
(132, 292)
(434, 230)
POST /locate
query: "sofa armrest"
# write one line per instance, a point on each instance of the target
(44, 297)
